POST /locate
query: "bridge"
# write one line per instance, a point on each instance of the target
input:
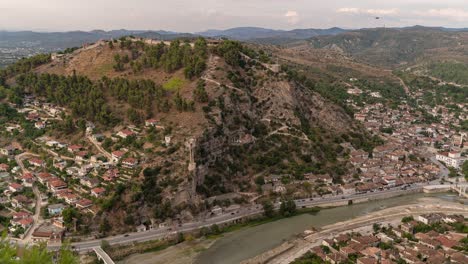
(458, 188)
(461, 190)
(102, 255)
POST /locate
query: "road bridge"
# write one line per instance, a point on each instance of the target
(102, 255)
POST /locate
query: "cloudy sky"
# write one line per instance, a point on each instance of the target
(198, 15)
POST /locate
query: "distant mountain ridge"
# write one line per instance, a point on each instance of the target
(252, 33)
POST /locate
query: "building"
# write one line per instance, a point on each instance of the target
(37, 162)
(117, 156)
(15, 187)
(151, 122)
(55, 209)
(452, 159)
(98, 192)
(130, 163)
(125, 133)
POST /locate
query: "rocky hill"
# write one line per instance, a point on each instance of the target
(230, 114)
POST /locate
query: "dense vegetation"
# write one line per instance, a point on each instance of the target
(450, 71)
(35, 254)
(171, 57)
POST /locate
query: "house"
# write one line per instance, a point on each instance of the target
(98, 192)
(81, 156)
(125, 133)
(70, 198)
(47, 236)
(74, 148)
(110, 175)
(366, 260)
(8, 150)
(348, 189)
(4, 167)
(39, 125)
(430, 219)
(83, 203)
(452, 159)
(20, 215)
(27, 179)
(15, 187)
(55, 209)
(366, 240)
(37, 162)
(44, 177)
(141, 228)
(151, 122)
(21, 201)
(25, 223)
(117, 156)
(89, 182)
(130, 163)
(335, 258)
(57, 185)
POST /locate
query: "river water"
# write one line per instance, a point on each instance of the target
(249, 242)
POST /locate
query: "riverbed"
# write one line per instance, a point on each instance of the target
(247, 243)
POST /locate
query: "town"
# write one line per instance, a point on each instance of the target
(428, 238)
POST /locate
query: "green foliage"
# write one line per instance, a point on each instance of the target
(182, 104)
(309, 258)
(174, 84)
(231, 52)
(287, 207)
(200, 94)
(465, 169)
(268, 209)
(35, 254)
(78, 93)
(24, 65)
(450, 71)
(407, 219)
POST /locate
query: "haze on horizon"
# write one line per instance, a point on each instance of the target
(194, 16)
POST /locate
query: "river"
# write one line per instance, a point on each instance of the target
(234, 247)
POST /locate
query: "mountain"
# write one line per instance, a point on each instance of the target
(256, 33)
(394, 47)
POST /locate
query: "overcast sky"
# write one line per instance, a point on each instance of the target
(198, 15)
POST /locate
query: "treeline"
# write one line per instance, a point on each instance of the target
(23, 66)
(78, 93)
(171, 57)
(139, 94)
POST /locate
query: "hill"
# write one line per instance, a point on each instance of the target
(272, 36)
(390, 47)
(241, 119)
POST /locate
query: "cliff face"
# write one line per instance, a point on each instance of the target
(263, 123)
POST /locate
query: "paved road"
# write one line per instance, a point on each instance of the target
(37, 213)
(225, 218)
(444, 172)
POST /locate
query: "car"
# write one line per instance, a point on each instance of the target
(342, 197)
(126, 235)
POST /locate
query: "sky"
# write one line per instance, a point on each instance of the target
(200, 15)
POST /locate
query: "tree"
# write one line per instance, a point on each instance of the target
(34, 254)
(200, 94)
(105, 226)
(287, 207)
(465, 169)
(452, 173)
(268, 209)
